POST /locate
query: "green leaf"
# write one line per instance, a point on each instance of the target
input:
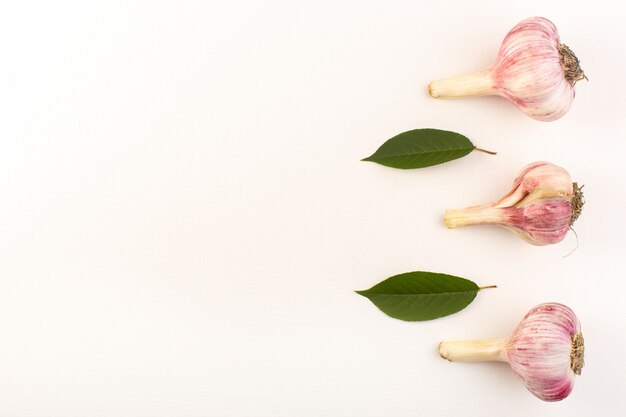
(421, 148)
(419, 295)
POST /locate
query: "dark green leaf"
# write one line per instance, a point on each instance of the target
(419, 295)
(421, 148)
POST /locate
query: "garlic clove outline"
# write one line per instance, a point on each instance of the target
(533, 70)
(546, 351)
(541, 207)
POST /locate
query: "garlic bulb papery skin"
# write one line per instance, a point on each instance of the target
(546, 351)
(541, 207)
(533, 70)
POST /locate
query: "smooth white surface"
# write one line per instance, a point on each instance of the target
(184, 215)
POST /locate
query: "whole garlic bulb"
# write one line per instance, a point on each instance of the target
(533, 70)
(540, 208)
(546, 351)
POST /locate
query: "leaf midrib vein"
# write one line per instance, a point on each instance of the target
(427, 293)
(421, 153)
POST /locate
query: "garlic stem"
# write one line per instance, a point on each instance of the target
(474, 350)
(473, 215)
(476, 84)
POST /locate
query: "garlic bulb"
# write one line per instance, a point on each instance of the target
(540, 208)
(546, 350)
(533, 70)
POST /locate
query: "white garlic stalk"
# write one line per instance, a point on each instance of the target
(533, 70)
(546, 350)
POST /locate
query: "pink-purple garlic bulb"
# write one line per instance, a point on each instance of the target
(533, 70)
(546, 350)
(541, 207)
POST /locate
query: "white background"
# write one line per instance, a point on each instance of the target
(184, 217)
